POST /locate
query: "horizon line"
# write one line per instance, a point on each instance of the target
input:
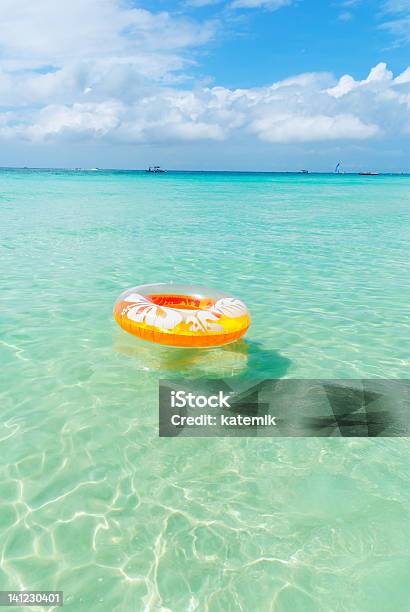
(302, 172)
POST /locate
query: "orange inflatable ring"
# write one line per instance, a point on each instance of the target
(180, 315)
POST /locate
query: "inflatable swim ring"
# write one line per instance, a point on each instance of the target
(180, 315)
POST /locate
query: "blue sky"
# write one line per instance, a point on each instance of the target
(259, 46)
(207, 84)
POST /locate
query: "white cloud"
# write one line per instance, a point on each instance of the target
(77, 38)
(272, 5)
(397, 6)
(398, 21)
(200, 3)
(379, 75)
(404, 77)
(306, 108)
(399, 28)
(81, 119)
(102, 70)
(70, 30)
(345, 16)
(294, 128)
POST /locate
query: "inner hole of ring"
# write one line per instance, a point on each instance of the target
(183, 302)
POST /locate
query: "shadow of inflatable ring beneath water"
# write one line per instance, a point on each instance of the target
(244, 358)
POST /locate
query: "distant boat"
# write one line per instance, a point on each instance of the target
(155, 169)
(337, 171)
(304, 172)
(369, 173)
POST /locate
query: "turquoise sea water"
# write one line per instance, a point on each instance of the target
(91, 500)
